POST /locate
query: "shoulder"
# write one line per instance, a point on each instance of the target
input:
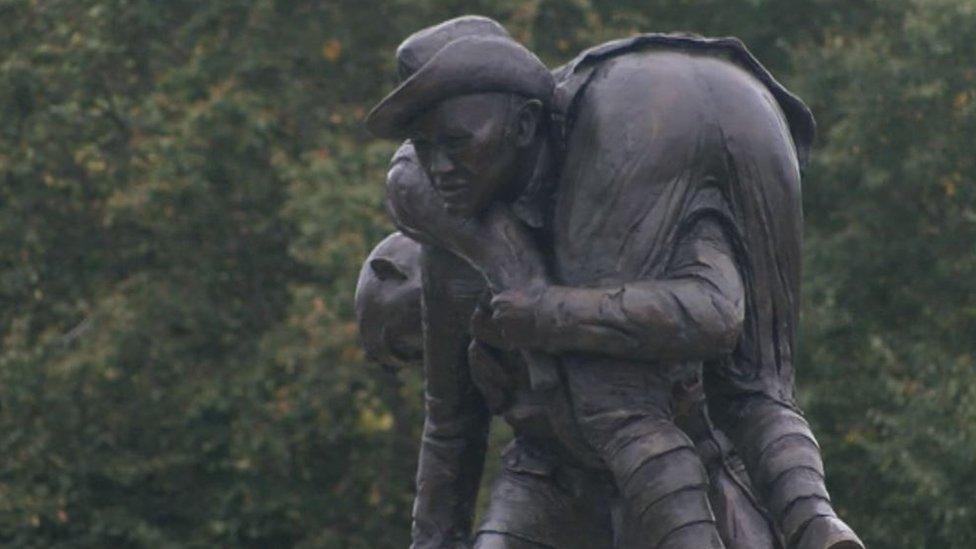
(407, 192)
(688, 63)
(405, 171)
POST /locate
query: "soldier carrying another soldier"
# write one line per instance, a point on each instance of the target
(636, 218)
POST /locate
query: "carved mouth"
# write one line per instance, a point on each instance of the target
(402, 349)
(452, 193)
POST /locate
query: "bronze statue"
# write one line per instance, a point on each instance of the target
(388, 290)
(598, 241)
(388, 303)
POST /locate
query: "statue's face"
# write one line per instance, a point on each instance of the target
(388, 303)
(464, 144)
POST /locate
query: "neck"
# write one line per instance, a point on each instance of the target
(525, 168)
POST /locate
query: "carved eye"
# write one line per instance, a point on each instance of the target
(456, 143)
(386, 269)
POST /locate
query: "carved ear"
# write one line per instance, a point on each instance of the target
(529, 115)
(386, 269)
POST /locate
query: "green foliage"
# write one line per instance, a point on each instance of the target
(890, 288)
(187, 195)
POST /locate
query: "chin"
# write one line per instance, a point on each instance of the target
(463, 210)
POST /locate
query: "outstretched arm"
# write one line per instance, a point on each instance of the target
(496, 243)
(695, 313)
(456, 427)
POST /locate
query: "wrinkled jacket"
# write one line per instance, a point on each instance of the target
(700, 129)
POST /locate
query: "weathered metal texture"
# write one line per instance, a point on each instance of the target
(632, 234)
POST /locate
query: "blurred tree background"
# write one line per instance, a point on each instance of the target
(186, 195)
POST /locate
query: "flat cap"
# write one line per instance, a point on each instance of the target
(466, 65)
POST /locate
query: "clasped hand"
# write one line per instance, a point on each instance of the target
(512, 321)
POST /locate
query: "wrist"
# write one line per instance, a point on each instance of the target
(548, 312)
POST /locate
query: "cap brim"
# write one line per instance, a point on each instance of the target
(466, 65)
(391, 117)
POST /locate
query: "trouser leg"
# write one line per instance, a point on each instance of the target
(784, 462)
(624, 413)
(539, 501)
(741, 521)
(496, 540)
(664, 487)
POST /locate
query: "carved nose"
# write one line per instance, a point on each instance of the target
(440, 164)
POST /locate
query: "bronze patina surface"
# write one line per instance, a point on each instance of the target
(610, 261)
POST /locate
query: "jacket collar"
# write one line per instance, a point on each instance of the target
(531, 204)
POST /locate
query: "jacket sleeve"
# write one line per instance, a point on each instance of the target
(695, 312)
(456, 427)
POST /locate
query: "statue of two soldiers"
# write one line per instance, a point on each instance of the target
(608, 257)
